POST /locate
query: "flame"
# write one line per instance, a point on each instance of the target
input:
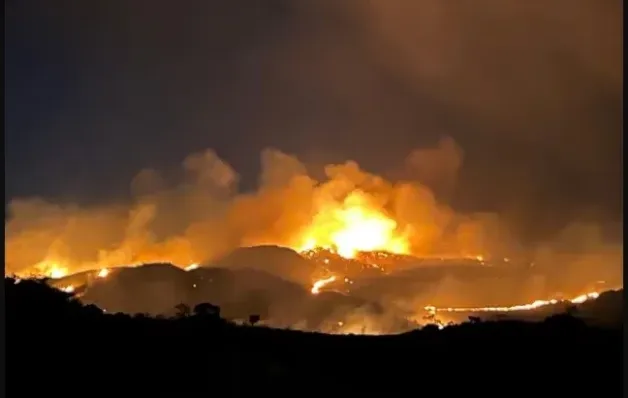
(68, 289)
(47, 268)
(354, 226)
(316, 287)
(522, 307)
(192, 267)
(57, 272)
(103, 273)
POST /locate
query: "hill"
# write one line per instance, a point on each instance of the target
(165, 290)
(388, 303)
(605, 311)
(70, 349)
(157, 289)
(275, 260)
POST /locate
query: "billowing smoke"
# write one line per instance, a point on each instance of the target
(531, 92)
(205, 217)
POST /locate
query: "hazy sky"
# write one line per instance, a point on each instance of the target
(530, 90)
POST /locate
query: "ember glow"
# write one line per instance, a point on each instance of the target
(49, 269)
(68, 289)
(319, 284)
(521, 307)
(57, 273)
(191, 267)
(103, 273)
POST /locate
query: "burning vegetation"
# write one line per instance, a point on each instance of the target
(348, 212)
(354, 232)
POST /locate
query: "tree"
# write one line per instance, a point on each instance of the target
(431, 328)
(253, 319)
(183, 310)
(207, 309)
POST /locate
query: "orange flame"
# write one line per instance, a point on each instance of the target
(521, 307)
(103, 273)
(316, 287)
(191, 267)
(354, 226)
(68, 289)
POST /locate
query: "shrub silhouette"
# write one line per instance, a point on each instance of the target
(183, 310)
(207, 310)
(254, 319)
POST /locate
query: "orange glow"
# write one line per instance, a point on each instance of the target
(68, 289)
(51, 269)
(354, 226)
(191, 267)
(319, 284)
(103, 273)
(522, 307)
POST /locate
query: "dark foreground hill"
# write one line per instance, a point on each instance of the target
(157, 289)
(55, 345)
(160, 289)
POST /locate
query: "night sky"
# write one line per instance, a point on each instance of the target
(97, 90)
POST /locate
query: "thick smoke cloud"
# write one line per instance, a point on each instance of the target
(437, 167)
(532, 92)
(204, 216)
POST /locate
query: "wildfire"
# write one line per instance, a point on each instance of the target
(354, 226)
(57, 273)
(191, 267)
(316, 287)
(51, 270)
(68, 289)
(103, 273)
(54, 270)
(522, 307)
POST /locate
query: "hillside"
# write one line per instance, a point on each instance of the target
(204, 354)
(161, 289)
(272, 259)
(391, 302)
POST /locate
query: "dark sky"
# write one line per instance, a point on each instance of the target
(97, 90)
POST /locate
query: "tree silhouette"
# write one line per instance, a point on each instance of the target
(430, 328)
(183, 310)
(207, 309)
(253, 319)
(571, 310)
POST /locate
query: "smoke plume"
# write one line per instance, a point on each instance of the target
(204, 216)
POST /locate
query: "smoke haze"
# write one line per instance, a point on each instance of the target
(490, 128)
(203, 217)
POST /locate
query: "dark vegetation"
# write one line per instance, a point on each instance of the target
(57, 345)
(275, 283)
(157, 289)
